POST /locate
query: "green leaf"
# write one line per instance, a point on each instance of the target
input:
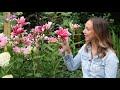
(2, 18)
(65, 22)
(37, 57)
(37, 75)
(49, 48)
(1, 71)
(18, 65)
(77, 43)
(49, 13)
(66, 13)
(113, 37)
(20, 59)
(29, 74)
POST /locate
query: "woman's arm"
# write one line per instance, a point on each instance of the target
(73, 63)
(111, 66)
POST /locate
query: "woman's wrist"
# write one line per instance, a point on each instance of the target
(67, 51)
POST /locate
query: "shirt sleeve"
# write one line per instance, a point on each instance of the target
(111, 66)
(73, 63)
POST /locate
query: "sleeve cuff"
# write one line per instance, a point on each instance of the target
(68, 57)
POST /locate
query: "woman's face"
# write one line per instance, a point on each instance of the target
(88, 31)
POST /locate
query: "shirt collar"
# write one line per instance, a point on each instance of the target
(89, 52)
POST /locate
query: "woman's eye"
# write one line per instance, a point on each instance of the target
(88, 29)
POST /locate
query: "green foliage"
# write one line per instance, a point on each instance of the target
(1, 13)
(116, 43)
(2, 20)
(48, 63)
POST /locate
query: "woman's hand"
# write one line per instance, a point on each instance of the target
(66, 47)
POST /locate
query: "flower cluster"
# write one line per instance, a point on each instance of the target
(3, 40)
(73, 26)
(4, 59)
(23, 42)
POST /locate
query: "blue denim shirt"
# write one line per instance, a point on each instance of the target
(93, 68)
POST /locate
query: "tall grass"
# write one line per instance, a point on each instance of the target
(116, 43)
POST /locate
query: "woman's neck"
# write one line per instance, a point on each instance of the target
(94, 48)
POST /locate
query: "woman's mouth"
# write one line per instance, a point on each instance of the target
(85, 35)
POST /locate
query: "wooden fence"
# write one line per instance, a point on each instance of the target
(7, 29)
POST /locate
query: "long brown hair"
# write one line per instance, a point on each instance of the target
(103, 36)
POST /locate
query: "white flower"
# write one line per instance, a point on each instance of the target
(8, 76)
(73, 26)
(46, 38)
(19, 13)
(49, 25)
(4, 59)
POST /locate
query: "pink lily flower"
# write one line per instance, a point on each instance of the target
(22, 21)
(52, 39)
(63, 33)
(3, 40)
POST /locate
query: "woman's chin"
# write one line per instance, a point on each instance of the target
(86, 39)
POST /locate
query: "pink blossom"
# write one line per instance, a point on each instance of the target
(44, 27)
(23, 50)
(32, 30)
(16, 38)
(43, 37)
(16, 27)
(47, 26)
(3, 40)
(27, 50)
(22, 21)
(17, 49)
(30, 36)
(17, 30)
(36, 44)
(63, 33)
(64, 38)
(27, 41)
(38, 30)
(52, 39)
(74, 26)
(15, 42)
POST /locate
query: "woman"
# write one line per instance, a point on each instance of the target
(96, 57)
